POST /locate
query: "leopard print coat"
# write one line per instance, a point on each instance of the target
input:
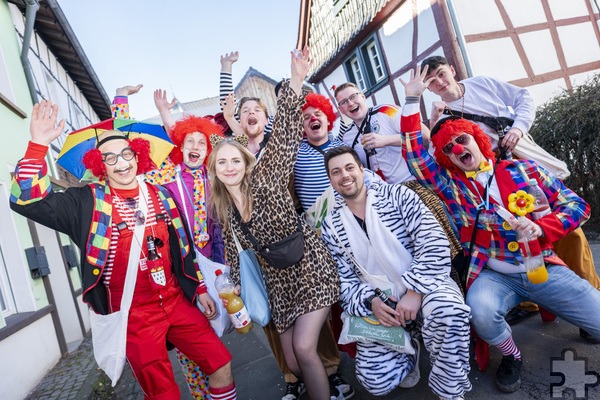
(313, 283)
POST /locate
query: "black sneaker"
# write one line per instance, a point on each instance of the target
(587, 337)
(341, 385)
(293, 391)
(335, 393)
(508, 376)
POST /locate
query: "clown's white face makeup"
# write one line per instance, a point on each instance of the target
(194, 149)
(466, 156)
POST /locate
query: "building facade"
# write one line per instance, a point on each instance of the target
(544, 45)
(42, 315)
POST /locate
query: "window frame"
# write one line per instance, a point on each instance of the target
(362, 61)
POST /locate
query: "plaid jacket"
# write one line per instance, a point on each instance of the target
(461, 196)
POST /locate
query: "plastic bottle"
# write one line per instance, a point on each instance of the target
(541, 207)
(533, 260)
(235, 306)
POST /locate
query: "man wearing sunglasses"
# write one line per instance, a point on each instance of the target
(488, 97)
(473, 184)
(102, 219)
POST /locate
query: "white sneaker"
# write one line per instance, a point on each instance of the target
(414, 376)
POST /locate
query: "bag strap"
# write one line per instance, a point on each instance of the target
(465, 270)
(498, 124)
(249, 236)
(135, 249)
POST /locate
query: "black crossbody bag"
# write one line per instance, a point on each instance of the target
(281, 254)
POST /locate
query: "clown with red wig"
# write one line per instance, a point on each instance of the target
(102, 218)
(473, 184)
(184, 176)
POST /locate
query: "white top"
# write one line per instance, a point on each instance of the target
(384, 121)
(494, 98)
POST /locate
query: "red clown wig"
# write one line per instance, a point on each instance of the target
(321, 102)
(191, 124)
(92, 160)
(448, 129)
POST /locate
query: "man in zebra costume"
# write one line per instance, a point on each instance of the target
(385, 233)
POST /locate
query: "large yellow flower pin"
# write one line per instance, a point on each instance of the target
(520, 203)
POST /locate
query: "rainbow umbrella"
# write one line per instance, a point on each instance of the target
(80, 142)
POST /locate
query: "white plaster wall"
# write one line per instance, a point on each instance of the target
(385, 96)
(566, 9)
(396, 37)
(61, 289)
(428, 33)
(579, 43)
(519, 17)
(540, 51)
(476, 16)
(27, 357)
(497, 58)
(545, 91)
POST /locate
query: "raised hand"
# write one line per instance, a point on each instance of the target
(228, 60)
(228, 106)
(43, 126)
(418, 82)
(161, 102)
(301, 63)
(437, 110)
(128, 90)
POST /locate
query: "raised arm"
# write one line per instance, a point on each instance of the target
(277, 162)
(164, 108)
(228, 107)
(120, 105)
(226, 77)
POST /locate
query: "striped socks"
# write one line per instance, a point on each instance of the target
(508, 347)
(224, 393)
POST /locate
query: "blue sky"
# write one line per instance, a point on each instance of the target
(177, 45)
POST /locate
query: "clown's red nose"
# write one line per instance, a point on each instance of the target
(458, 149)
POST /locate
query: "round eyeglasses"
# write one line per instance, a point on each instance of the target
(111, 158)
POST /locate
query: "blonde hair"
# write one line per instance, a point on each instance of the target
(220, 200)
(345, 86)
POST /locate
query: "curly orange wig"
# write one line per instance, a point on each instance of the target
(321, 102)
(92, 160)
(191, 124)
(450, 128)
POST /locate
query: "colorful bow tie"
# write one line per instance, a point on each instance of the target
(483, 167)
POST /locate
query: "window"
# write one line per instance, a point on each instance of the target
(365, 66)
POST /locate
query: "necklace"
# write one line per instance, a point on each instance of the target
(462, 96)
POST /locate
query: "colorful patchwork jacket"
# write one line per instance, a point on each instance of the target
(494, 239)
(85, 214)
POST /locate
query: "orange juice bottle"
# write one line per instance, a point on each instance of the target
(533, 260)
(235, 306)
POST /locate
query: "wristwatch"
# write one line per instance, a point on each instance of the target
(369, 300)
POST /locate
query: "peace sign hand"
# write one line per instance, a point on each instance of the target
(43, 126)
(417, 83)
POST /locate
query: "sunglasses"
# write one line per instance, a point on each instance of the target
(463, 139)
(352, 98)
(111, 158)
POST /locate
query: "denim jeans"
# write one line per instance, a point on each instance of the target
(565, 294)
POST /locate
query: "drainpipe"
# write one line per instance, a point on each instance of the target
(460, 38)
(32, 7)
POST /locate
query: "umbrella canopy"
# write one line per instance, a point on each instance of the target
(80, 142)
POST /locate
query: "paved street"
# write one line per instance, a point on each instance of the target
(257, 376)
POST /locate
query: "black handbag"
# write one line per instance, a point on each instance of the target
(281, 254)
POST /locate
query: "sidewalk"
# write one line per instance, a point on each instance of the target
(257, 376)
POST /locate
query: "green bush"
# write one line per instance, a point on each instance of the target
(568, 127)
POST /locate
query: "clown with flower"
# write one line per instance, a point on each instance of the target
(472, 183)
